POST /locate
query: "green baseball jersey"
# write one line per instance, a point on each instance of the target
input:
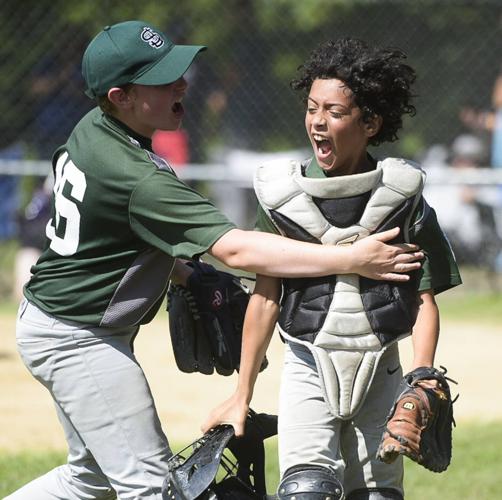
(439, 270)
(120, 218)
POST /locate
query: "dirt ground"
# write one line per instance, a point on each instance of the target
(28, 419)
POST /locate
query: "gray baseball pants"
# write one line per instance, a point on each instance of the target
(116, 444)
(310, 434)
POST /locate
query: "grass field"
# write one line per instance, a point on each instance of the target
(474, 472)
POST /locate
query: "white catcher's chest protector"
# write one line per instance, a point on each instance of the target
(345, 320)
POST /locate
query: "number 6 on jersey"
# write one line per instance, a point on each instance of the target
(64, 229)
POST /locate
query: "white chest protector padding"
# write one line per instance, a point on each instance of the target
(345, 349)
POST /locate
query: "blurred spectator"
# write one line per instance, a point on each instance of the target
(436, 156)
(468, 151)
(466, 213)
(32, 222)
(57, 95)
(8, 206)
(9, 195)
(490, 120)
(496, 156)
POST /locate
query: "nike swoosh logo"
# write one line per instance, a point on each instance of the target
(391, 372)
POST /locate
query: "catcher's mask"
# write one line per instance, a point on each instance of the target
(193, 471)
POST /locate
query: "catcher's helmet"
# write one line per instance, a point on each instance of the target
(193, 471)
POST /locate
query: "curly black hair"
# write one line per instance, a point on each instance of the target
(378, 78)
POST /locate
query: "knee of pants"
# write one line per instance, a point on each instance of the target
(375, 494)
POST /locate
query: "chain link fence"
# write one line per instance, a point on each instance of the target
(239, 99)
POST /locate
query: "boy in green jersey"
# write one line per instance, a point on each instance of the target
(342, 367)
(122, 224)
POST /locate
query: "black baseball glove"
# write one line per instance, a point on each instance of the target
(206, 320)
(420, 422)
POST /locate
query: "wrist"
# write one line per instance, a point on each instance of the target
(419, 362)
(345, 261)
(243, 396)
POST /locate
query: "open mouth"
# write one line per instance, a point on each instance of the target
(323, 146)
(178, 109)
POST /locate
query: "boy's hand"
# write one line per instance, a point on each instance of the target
(377, 260)
(233, 411)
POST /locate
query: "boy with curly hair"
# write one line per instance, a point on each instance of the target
(342, 366)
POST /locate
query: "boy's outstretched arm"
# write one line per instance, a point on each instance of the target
(259, 324)
(273, 255)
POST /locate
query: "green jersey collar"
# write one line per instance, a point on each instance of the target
(144, 142)
(313, 170)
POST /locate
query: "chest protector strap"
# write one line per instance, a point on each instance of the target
(341, 321)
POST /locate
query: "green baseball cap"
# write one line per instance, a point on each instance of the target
(133, 52)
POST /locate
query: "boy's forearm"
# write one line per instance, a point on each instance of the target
(259, 325)
(426, 331)
(273, 255)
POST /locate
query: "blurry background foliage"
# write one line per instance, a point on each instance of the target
(240, 95)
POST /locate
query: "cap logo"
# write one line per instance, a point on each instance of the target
(151, 38)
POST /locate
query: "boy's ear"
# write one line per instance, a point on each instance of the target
(373, 125)
(119, 97)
